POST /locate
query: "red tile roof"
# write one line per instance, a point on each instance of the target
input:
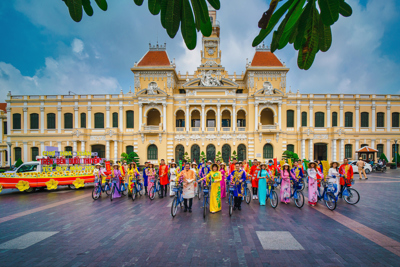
(155, 58)
(366, 149)
(3, 107)
(264, 59)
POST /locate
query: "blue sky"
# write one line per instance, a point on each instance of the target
(44, 52)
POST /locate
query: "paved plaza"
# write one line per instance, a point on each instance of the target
(68, 228)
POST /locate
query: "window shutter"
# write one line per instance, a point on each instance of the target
(334, 119)
(129, 119)
(304, 119)
(115, 119)
(83, 120)
(290, 118)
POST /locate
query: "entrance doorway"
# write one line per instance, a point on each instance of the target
(320, 151)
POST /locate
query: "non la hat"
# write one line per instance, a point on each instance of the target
(98, 164)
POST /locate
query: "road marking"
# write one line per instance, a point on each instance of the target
(26, 240)
(27, 212)
(378, 182)
(278, 240)
(376, 237)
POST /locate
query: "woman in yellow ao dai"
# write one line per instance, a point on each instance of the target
(215, 193)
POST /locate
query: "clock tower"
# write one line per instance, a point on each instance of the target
(211, 53)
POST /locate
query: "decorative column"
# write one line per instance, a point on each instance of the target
(121, 118)
(83, 146)
(25, 147)
(341, 149)
(59, 145)
(234, 117)
(108, 150)
(41, 148)
(310, 149)
(280, 116)
(1, 130)
(341, 114)
(9, 123)
(115, 151)
(9, 152)
(218, 117)
(203, 121)
(388, 155)
(59, 120)
(311, 114)
(388, 117)
(164, 117)
(25, 120)
(89, 117)
(328, 114)
(76, 119)
(107, 116)
(41, 119)
(187, 118)
(303, 148)
(373, 143)
(298, 115)
(373, 122)
(334, 150)
(75, 146)
(357, 117)
(357, 144)
(140, 116)
(256, 117)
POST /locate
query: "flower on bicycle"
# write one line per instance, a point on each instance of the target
(52, 184)
(78, 183)
(22, 185)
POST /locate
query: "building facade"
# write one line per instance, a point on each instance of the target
(169, 113)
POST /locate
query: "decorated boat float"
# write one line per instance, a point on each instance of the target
(52, 171)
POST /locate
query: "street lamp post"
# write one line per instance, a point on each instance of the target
(395, 154)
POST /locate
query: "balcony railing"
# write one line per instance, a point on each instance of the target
(195, 129)
(210, 129)
(268, 127)
(241, 129)
(152, 128)
(226, 129)
(180, 129)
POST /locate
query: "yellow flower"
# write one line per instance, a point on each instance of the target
(79, 183)
(22, 185)
(1, 188)
(52, 184)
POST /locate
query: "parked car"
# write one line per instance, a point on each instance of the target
(367, 167)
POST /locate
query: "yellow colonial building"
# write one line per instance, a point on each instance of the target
(168, 113)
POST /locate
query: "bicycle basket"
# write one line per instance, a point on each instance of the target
(206, 189)
(175, 189)
(152, 181)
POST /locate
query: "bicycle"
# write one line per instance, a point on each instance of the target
(123, 188)
(206, 192)
(98, 189)
(178, 200)
(271, 194)
(231, 198)
(247, 193)
(297, 194)
(199, 189)
(328, 197)
(156, 188)
(350, 195)
(137, 188)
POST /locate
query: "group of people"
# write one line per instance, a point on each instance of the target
(218, 176)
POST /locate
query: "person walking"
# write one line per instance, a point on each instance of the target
(187, 178)
(173, 171)
(163, 174)
(361, 170)
(224, 174)
(238, 179)
(285, 183)
(262, 176)
(346, 175)
(254, 177)
(151, 175)
(333, 176)
(312, 183)
(118, 178)
(145, 180)
(214, 178)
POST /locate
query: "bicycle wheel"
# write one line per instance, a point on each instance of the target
(248, 196)
(300, 200)
(174, 207)
(159, 188)
(230, 205)
(112, 192)
(330, 201)
(96, 192)
(152, 195)
(107, 188)
(125, 191)
(140, 190)
(303, 185)
(205, 207)
(133, 196)
(199, 193)
(353, 196)
(274, 199)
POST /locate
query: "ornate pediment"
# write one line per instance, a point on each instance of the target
(152, 90)
(268, 90)
(210, 79)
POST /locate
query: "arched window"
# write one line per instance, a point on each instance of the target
(99, 120)
(226, 118)
(241, 119)
(115, 120)
(68, 121)
(129, 149)
(17, 153)
(16, 121)
(226, 153)
(51, 121)
(210, 152)
(380, 150)
(34, 119)
(334, 119)
(290, 148)
(395, 119)
(195, 116)
(267, 117)
(304, 119)
(364, 119)
(195, 153)
(380, 119)
(152, 152)
(241, 152)
(129, 119)
(268, 151)
(179, 153)
(153, 117)
(319, 119)
(83, 120)
(34, 153)
(289, 118)
(180, 119)
(348, 119)
(68, 148)
(100, 150)
(348, 151)
(210, 118)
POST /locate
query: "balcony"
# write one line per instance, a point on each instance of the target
(226, 129)
(268, 128)
(241, 129)
(210, 129)
(180, 129)
(195, 129)
(152, 128)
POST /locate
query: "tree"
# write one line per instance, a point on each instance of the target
(18, 163)
(305, 25)
(234, 154)
(398, 158)
(202, 155)
(218, 156)
(186, 157)
(132, 157)
(290, 155)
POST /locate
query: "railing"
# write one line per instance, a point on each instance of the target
(180, 129)
(152, 128)
(268, 127)
(195, 129)
(241, 129)
(226, 129)
(210, 129)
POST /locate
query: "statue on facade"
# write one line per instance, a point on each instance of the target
(267, 88)
(152, 88)
(208, 80)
